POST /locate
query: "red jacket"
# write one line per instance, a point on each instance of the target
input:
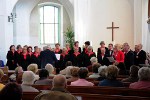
(119, 56)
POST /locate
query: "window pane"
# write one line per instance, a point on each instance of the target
(56, 33)
(49, 33)
(48, 14)
(41, 15)
(41, 29)
(56, 15)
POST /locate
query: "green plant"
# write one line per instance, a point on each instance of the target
(69, 35)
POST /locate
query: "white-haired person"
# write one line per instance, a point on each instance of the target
(144, 79)
(93, 61)
(50, 69)
(34, 69)
(102, 73)
(67, 71)
(28, 79)
(87, 56)
(111, 77)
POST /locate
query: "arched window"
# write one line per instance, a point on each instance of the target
(50, 23)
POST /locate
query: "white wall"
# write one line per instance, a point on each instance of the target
(100, 14)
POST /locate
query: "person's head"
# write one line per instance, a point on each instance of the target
(112, 72)
(49, 68)
(68, 63)
(110, 46)
(90, 48)
(67, 45)
(76, 49)
(64, 50)
(144, 74)
(102, 71)
(11, 91)
(134, 71)
(28, 78)
(48, 47)
(95, 67)
(24, 50)
(33, 68)
(19, 48)
(74, 71)
(87, 43)
(76, 43)
(29, 49)
(103, 50)
(57, 45)
(117, 47)
(1, 73)
(43, 73)
(126, 47)
(83, 72)
(121, 66)
(93, 60)
(136, 48)
(36, 49)
(102, 43)
(140, 47)
(59, 81)
(68, 71)
(12, 48)
(18, 70)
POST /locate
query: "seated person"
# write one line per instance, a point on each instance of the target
(58, 91)
(95, 71)
(74, 74)
(44, 80)
(133, 74)
(17, 71)
(83, 72)
(34, 69)
(102, 72)
(28, 79)
(1, 75)
(144, 79)
(122, 69)
(12, 91)
(111, 75)
(93, 60)
(50, 69)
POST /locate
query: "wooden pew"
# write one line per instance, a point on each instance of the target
(42, 87)
(29, 95)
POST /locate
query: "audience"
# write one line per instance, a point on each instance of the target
(102, 71)
(1, 75)
(12, 91)
(133, 74)
(93, 60)
(111, 75)
(28, 79)
(50, 69)
(58, 91)
(122, 68)
(44, 78)
(83, 71)
(74, 74)
(95, 71)
(34, 69)
(144, 79)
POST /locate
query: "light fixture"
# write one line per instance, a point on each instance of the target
(12, 17)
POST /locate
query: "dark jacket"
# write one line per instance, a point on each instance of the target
(140, 57)
(112, 83)
(11, 60)
(129, 59)
(104, 60)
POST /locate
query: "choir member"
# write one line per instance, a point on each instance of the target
(76, 44)
(64, 57)
(29, 49)
(140, 55)
(85, 50)
(110, 50)
(24, 59)
(11, 58)
(17, 54)
(102, 45)
(129, 56)
(76, 57)
(102, 58)
(57, 49)
(68, 48)
(118, 54)
(35, 58)
(88, 55)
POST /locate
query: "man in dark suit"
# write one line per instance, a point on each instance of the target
(129, 56)
(47, 56)
(110, 50)
(140, 56)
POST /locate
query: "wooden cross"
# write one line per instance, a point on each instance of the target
(113, 27)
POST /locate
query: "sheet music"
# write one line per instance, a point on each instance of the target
(58, 56)
(111, 59)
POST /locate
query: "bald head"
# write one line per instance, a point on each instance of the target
(59, 81)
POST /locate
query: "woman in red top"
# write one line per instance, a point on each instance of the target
(118, 54)
(57, 49)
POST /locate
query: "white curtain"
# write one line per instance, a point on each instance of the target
(81, 8)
